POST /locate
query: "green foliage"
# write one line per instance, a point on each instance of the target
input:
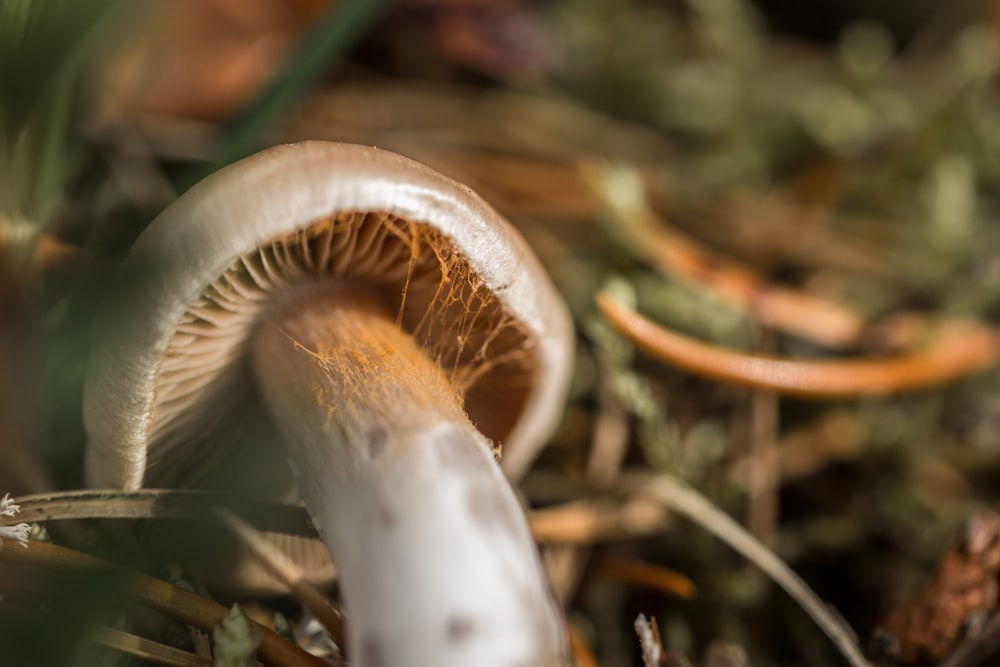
(46, 48)
(236, 641)
(315, 54)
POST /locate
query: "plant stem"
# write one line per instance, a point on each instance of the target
(436, 563)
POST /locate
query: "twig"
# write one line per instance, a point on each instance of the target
(958, 349)
(288, 573)
(672, 253)
(147, 649)
(161, 596)
(600, 519)
(647, 575)
(609, 441)
(762, 456)
(583, 655)
(565, 566)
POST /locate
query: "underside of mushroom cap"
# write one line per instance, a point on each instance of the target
(169, 397)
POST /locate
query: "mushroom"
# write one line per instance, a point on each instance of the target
(382, 329)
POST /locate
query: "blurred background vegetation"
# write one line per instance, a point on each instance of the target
(846, 150)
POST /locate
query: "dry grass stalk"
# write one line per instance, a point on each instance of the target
(689, 503)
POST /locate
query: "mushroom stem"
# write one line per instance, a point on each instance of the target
(436, 563)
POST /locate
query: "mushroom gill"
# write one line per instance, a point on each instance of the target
(208, 426)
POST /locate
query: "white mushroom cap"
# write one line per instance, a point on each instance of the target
(270, 195)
